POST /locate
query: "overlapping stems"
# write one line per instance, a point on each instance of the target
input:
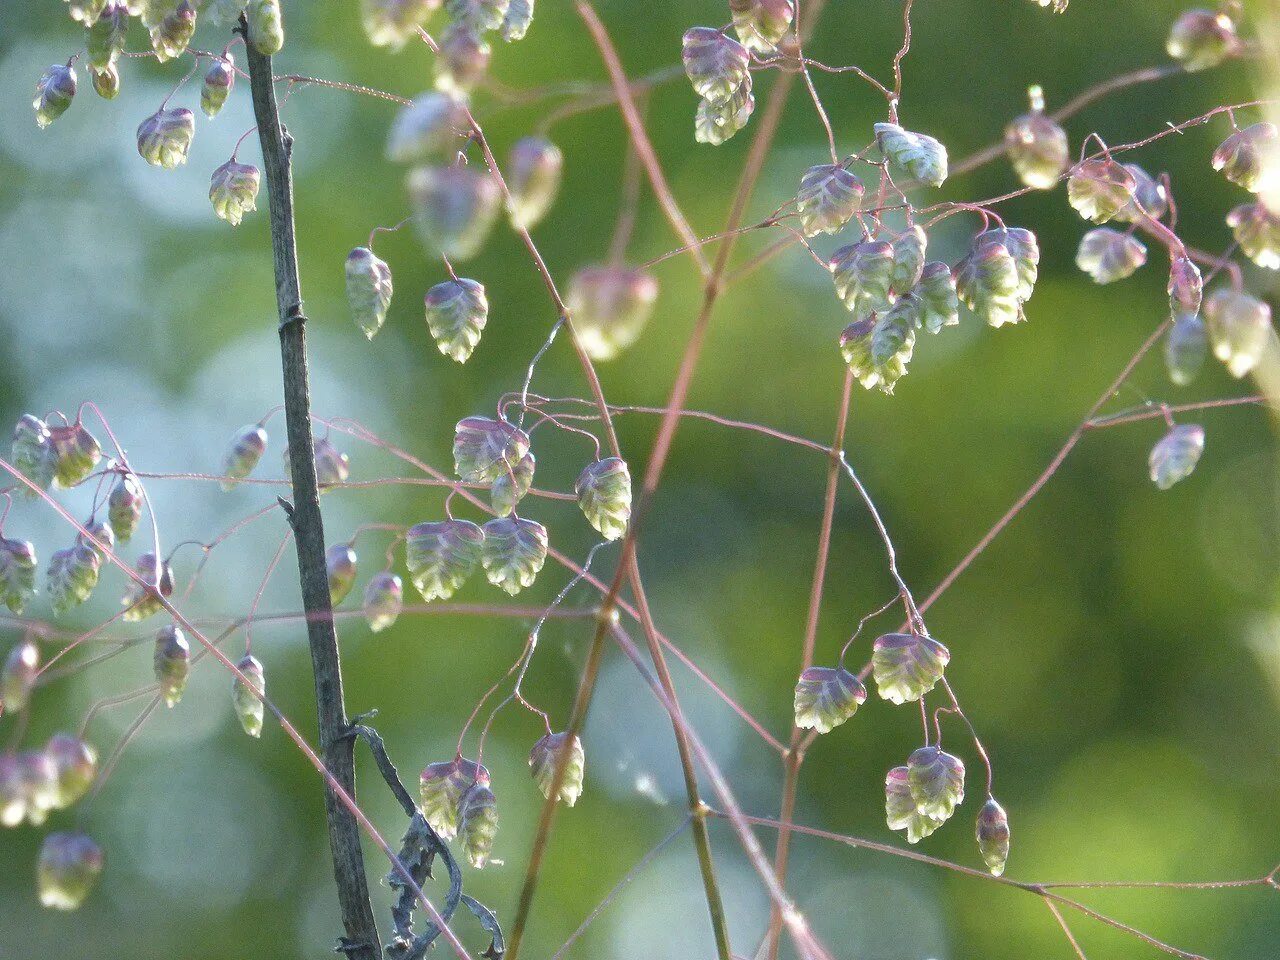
(716, 276)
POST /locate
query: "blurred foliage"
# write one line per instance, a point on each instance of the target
(1117, 647)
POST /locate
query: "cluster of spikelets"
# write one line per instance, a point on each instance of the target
(923, 794)
(457, 799)
(164, 138)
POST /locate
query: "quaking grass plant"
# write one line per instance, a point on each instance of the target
(878, 205)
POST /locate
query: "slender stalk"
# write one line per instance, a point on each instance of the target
(336, 748)
(795, 755)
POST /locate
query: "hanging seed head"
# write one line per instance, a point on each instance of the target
(989, 284)
(165, 137)
(513, 552)
(172, 35)
(478, 822)
(511, 485)
(1239, 327)
(124, 506)
(1038, 148)
(993, 836)
(718, 120)
(937, 296)
(369, 290)
(878, 348)
(827, 199)
(100, 540)
(85, 11)
(484, 449)
(266, 26)
(610, 307)
(75, 765)
(1203, 38)
(1250, 158)
(908, 261)
(21, 668)
(462, 62)
(1175, 457)
(247, 704)
(518, 19)
(72, 575)
(223, 12)
(442, 787)
(936, 780)
(900, 808)
(1058, 6)
(1108, 255)
(106, 35)
(477, 15)
(1150, 198)
(716, 64)
(430, 128)
(333, 467)
(17, 573)
(454, 208)
(548, 753)
(55, 90)
(106, 82)
(918, 155)
(1099, 189)
(69, 866)
(761, 24)
(863, 275)
(39, 785)
(1025, 250)
(826, 697)
(457, 311)
(246, 448)
(142, 602)
(218, 81)
(172, 663)
(75, 454)
(1257, 230)
(233, 191)
(1186, 287)
(340, 563)
(441, 555)
(533, 178)
(604, 495)
(383, 601)
(32, 452)
(13, 795)
(1185, 348)
(392, 23)
(907, 666)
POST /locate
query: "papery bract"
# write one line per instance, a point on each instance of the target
(1107, 255)
(18, 678)
(761, 24)
(936, 779)
(75, 765)
(431, 127)
(442, 786)
(340, 565)
(610, 306)
(1185, 348)
(1239, 327)
(247, 704)
(244, 452)
(828, 198)
(1250, 158)
(165, 137)
(938, 298)
(171, 661)
(266, 26)
(1202, 38)
(552, 750)
(233, 191)
(454, 209)
(456, 312)
(441, 555)
(511, 484)
(218, 81)
(900, 808)
(1175, 457)
(383, 601)
(513, 552)
(55, 90)
(863, 275)
(604, 495)
(18, 566)
(462, 60)
(919, 155)
(478, 822)
(369, 290)
(826, 697)
(172, 35)
(484, 449)
(142, 602)
(1099, 189)
(68, 870)
(1257, 230)
(906, 666)
(1037, 146)
(124, 506)
(533, 178)
(992, 832)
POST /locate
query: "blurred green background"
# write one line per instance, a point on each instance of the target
(1118, 648)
